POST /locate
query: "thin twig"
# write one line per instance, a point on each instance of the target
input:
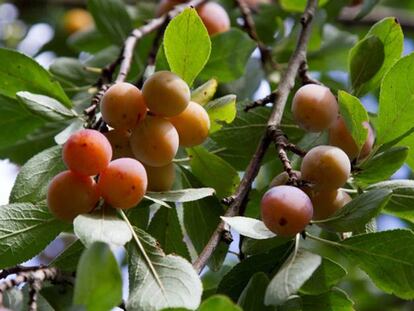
(39, 275)
(304, 74)
(35, 287)
(261, 102)
(249, 25)
(280, 140)
(283, 90)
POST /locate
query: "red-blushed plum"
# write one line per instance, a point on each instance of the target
(286, 210)
(123, 106)
(87, 152)
(123, 183)
(214, 17)
(70, 194)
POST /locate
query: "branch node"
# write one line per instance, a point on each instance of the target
(226, 237)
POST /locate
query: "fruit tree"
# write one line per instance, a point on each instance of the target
(220, 155)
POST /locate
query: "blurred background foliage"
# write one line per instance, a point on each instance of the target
(42, 29)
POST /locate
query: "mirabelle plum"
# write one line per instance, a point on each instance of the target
(326, 203)
(160, 178)
(123, 183)
(76, 20)
(192, 125)
(214, 17)
(123, 106)
(70, 195)
(154, 141)
(119, 141)
(314, 107)
(339, 136)
(326, 167)
(87, 152)
(286, 210)
(166, 94)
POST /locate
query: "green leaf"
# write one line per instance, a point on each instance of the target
(221, 110)
(354, 115)
(34, 142)
(389, 31)
(402, 199)
(387, 259)
(298, 5)
(327, 275)
(179, 286)
(252, 297)
(218, 303)
(249, 227)
(69, 258)
(18, 300)
(183, 195)
(354, 215)
(234, 282)
(294, 273)
(367, 7)
(204, 213)
(255, 247)
(166, 229)
(59, 296)
(381, 166)
(205, 92)
(45, 107)
(111, 18)
(91, 41)
(229, 54)
(408, 140)
(139, 216)
(103, 226)
(19, 72)
(73, 71)
(396, 103)
(33, 179)
(15, 121)
(187, 45)
(365, 60)
(98, 283)
(213, 171)
(25, 230)
(334, 300)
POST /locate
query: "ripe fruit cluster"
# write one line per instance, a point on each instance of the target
(152, 124)
(122, 182)
(213, 15)
(286, 210)
(148, 126)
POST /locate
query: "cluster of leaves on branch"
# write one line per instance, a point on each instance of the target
(216, 154)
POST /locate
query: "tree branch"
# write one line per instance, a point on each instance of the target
(283, 90)
(249, 25)
(35, 277)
